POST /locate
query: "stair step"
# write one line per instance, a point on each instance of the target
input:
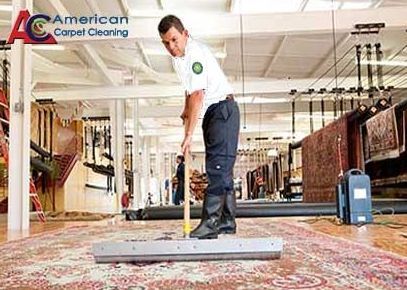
(64, 162)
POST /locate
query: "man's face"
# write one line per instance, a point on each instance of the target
(175, 41)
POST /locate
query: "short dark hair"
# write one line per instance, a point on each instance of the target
(181, 158)
(170, 21)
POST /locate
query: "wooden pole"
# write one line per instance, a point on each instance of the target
(187, 224)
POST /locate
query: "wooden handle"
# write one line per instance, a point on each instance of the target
(187, 224)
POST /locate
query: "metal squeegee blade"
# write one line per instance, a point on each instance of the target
(188, 250)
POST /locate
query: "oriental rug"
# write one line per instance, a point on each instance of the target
(311, 260)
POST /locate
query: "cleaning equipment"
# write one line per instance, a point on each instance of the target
(354, 202)
(356, 198)
(188, 249)
(187, 216)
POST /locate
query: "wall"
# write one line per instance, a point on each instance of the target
(74, 196)
(98, 200)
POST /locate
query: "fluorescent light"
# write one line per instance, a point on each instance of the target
(7, 8)
(357, 5)
(385, 62)
(48, 47)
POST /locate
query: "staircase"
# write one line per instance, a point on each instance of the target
(66, 163)
(4, 148)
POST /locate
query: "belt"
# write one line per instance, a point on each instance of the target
(230, 97)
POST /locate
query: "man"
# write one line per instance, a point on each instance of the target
(208, 95)
(179, 195)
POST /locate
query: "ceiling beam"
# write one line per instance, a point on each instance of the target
(64, 79)
(250, 128)
(303, 5)
(321, 66)
(100, 65)
(143, 53)
(66, 75)
(343, 41)
(273, 59)
(41, 63)
(123, 58)
(87, 48)
(252, 110)
(232, 5)
(301, 106)
(116, 56)
(124, 6)
(59, 7)
(268, 87)
(160, 4)
(93, 6)
(378, 3)
(227, 25)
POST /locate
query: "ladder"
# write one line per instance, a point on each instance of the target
(4, 150)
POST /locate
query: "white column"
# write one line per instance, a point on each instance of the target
(20, 126)
(159, 160)
(112, 115)
(171, 161)
(146, 168)
(148, 162)
(119, 156)
(162, 177)
(137, 202)
(165, 175)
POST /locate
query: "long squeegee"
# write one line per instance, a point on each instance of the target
(188, 250)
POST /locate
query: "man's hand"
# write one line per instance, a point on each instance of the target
(192, 107)
(186, 144)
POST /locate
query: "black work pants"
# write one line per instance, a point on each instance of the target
(221, 133)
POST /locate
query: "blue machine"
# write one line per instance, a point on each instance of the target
(353, 198)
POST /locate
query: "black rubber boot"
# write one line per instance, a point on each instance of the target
(228, 223)
(211, 213)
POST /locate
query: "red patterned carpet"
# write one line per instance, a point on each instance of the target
(382, 135)
(311, 260)
(320, 163)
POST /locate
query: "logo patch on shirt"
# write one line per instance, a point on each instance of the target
(197, 67)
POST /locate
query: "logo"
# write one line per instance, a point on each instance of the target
(197, 68)
(33, 31)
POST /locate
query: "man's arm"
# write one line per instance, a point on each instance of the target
(184, 114)
(194, 105)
